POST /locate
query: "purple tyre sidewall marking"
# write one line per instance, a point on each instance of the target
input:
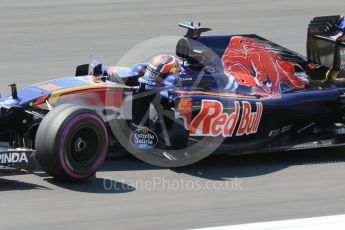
(66, 130)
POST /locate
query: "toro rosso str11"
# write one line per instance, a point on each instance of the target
(235, 94)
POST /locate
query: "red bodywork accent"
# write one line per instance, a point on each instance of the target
(40, 101)
(254, 64)
(96, 97)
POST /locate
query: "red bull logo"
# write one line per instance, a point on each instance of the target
(213, 121)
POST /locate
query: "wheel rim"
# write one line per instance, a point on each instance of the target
(82, 149)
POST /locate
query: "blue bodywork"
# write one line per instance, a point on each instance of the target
(290, 108)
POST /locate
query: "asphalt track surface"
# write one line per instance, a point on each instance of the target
(42, 39)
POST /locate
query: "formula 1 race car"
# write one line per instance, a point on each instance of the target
(235, 94)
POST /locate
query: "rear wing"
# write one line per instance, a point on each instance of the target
(326, 42)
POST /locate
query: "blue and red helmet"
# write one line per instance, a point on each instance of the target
(162, 66)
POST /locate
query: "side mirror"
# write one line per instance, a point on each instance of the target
(82, 70)
(96, 68)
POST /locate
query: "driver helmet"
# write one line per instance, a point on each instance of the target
(161, 66)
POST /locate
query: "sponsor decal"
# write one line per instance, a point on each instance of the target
(147, 81)
(282, 130)
(213, 121)
(8, 158)
(49, 87)
(143, 138)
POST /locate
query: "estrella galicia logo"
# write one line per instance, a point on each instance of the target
(143, 138)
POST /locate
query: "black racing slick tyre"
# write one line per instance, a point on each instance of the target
(71, 143)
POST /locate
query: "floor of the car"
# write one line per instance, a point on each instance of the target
(286, 143)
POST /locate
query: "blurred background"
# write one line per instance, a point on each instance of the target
(43, 39)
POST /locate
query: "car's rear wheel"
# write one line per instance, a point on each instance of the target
(71, 143)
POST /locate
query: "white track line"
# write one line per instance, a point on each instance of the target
(314, 223)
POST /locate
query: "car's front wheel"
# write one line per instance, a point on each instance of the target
(71, 143)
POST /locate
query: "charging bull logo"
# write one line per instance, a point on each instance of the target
(213, 121)
(259, 66)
